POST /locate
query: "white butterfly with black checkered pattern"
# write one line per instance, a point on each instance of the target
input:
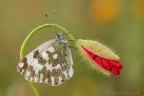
(50, 63)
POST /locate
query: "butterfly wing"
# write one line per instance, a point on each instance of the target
(29, 58)
(51, 65)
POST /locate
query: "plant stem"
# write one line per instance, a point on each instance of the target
(30, 36)
(34, 89)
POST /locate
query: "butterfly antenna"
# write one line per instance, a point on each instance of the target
(71, 40)
(46, 15)
(54, 11)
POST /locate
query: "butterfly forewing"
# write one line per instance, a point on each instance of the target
(50, 63)
(28, 59)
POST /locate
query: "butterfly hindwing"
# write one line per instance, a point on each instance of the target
(50, 63)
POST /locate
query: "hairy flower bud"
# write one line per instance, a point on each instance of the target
(99, 56)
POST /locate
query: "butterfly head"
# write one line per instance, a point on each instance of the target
(59, 36)
(61, 39)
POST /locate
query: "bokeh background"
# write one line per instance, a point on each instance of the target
(117, 23)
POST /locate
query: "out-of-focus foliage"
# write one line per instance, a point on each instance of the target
(117, 23)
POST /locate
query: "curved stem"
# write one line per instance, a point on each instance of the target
(34, 89)
(29, 37)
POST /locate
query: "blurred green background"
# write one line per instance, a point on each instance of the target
(117, 23)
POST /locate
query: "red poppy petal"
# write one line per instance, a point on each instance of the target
(106, 64)
(116, 63)
(115, 70)
(111, 65)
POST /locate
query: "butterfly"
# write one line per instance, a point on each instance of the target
(50, 63)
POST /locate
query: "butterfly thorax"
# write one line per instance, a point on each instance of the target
(61, 39)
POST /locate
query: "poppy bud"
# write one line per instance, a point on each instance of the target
(99, 56)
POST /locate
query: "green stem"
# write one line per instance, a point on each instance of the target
(34, 89)
(30, 36)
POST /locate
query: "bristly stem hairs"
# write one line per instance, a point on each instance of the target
(30, 36)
